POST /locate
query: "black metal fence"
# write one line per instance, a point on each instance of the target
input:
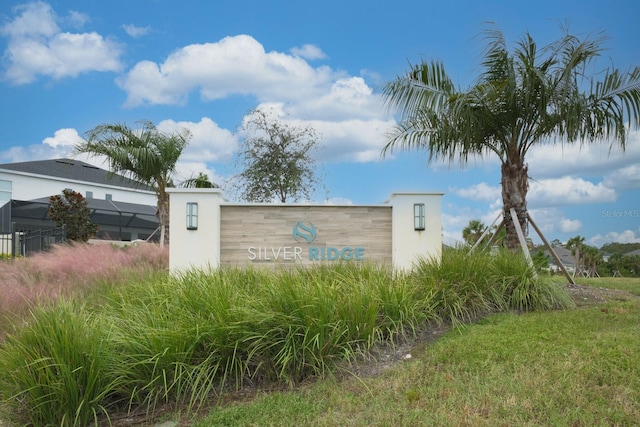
(20, 242)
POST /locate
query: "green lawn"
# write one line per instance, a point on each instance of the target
(566, 368)
(628, 284)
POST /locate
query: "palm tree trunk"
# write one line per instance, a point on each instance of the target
(578, 262)
(515, 185)
(163, 216)
(162, 232)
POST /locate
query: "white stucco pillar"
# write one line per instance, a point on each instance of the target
(409, 241)
(194, 247)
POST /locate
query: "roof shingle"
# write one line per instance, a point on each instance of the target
(74, 170)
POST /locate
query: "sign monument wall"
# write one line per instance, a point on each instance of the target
(207, 232)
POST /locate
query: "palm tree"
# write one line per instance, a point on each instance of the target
(200, 181)
(591, 257)
(472, 232)
(576, 245)
(616, 263)
(521, 99)
(145, 154)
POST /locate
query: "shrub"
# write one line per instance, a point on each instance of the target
(70, 210)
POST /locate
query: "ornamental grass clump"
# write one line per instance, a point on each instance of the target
(233, 326)
(73, 269)
(178, 339)
(304, 331)
(314, 321)
(185, 339)
(465, 286)
(55, 370)
(521, 289)
(460, 284)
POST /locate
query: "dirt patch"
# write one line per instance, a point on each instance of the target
(585, 296)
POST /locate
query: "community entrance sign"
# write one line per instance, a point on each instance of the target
(271, 235)
(304, 233)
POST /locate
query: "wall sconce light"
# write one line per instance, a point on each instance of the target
(192, 216)
(418, 216)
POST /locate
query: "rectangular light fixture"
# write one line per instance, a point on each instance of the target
(418, 216)
(192, 216)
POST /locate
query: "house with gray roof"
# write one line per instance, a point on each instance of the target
(566, 257)
(124, 209)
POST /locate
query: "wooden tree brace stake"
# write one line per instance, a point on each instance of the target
(523, 241)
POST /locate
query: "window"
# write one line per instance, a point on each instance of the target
(5, 191)
(89, 195)
(418, 216)
(192, 216)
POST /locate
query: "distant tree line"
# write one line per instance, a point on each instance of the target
(612, 259)
(623, 265)
(619, 248)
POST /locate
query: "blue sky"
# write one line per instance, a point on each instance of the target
(69, 65)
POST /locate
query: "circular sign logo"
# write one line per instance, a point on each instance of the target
(304, 232)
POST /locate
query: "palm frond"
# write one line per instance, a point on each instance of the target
(523, 97)
(426, 85)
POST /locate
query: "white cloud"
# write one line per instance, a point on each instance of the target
(569, 225)
(373, 76)
(17, 154)
(208, 143)
(618, 169)
(355, 140)
(552, 221)
(58, 146)
(308, 51)
(567, 191)
(545, 197)
(624, 178)
(186, 170)
(343, 109)
(626, 236)
(136, 31)
(348, 97)
(36, 46)
(482, 192)
(338, 201)
(67, 137)
(454, 223)
(351, 140)
(596, 160)
(452, 226)
(78, 19)
(35, 20)
(233, 65)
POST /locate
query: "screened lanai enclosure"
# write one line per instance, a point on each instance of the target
(119, 221)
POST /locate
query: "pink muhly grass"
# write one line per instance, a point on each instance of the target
(68, 268)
